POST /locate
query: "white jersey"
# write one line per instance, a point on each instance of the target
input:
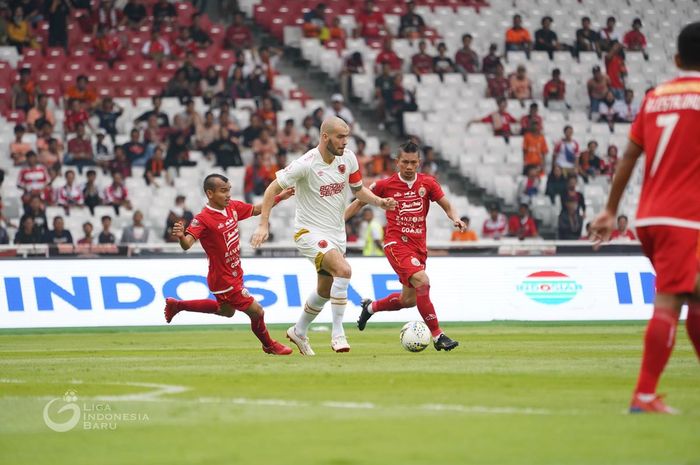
(320, 190)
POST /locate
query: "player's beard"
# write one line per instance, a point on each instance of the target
(335, 151)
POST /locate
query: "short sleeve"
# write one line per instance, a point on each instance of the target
(637, 130)
(244, 210)
(196, 227)
(355, 179)
(435, 190)
(377, 188)
(295, 171)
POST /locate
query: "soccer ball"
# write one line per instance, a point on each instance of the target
(415, 336)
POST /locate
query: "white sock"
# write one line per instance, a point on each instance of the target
(339, 300)
(435, 338)
(313, 306)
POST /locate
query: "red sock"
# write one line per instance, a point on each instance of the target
(257, 324)
(389, 303)
(658, 344)
(692, 325)
(427, 311)
(200, 306)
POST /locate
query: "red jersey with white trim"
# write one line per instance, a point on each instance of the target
(667, 129)
(406, 224)
(217, 230)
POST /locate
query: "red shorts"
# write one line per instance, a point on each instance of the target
(237, 299)
(405, 261)
(672, 251)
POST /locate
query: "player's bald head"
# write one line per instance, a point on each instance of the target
(332, 125)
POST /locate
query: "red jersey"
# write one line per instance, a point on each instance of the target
(423, 64)
(389, 58)
(217, 230)
(616, 70)
(370, 23)
(666, 128)
(406, 224)
(33, 179)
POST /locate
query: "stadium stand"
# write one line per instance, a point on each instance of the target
(447, 102)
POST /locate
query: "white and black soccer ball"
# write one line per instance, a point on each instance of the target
(415, 336)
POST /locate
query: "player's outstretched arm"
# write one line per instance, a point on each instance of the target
(365, 195)
(353, 209)
(261, 233)
(604, 223)
(451, 214)
(186, 240)
(284, 195)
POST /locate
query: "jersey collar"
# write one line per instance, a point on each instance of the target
(693, 74)
(223, 212)
(408, 183)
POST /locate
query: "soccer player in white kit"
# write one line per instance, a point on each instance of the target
(319, 178)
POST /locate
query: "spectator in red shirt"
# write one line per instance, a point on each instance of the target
(622, 233)
(412, 24)
(490, 63)
(238, 36)
(80, 152)
(257, 177)
(466, 59)
(500, 120)
(634, 40)
(157, 48)
(389, 57)
(421, 62)
(116, 194)
(495, 225)
(522, 225)
(183, 43)
(76, 114)
(370, 22)
(498, 84)
(555, 89)
(106, 46)
(616, 69)
(531, 118)
(33, 178)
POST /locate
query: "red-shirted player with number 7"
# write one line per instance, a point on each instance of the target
(404, 242)
(668, 218)
(216, 227)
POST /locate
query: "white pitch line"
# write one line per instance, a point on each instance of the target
(151, 396)
(11, 381)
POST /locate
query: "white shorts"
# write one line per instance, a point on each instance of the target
(314, 245)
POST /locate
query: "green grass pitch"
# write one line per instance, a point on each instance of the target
(512, 393)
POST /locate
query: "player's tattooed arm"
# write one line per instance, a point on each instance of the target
(186, 240)
(284, 195)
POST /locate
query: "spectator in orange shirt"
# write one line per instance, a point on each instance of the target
(24, 91)
(314, 21)
(520, 85)
(518, 38)
(622, 233)
(535, 149)
(81, 91)
(336, 31)
(468, 235)
(40, 113)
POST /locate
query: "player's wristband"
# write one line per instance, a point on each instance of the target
(278, 199)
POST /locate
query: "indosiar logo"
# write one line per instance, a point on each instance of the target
(549, 287)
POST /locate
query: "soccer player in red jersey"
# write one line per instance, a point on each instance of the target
(668, 218)
(404, 241)
(216, 226)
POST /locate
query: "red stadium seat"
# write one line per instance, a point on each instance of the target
(15, 116)
(151, 91)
